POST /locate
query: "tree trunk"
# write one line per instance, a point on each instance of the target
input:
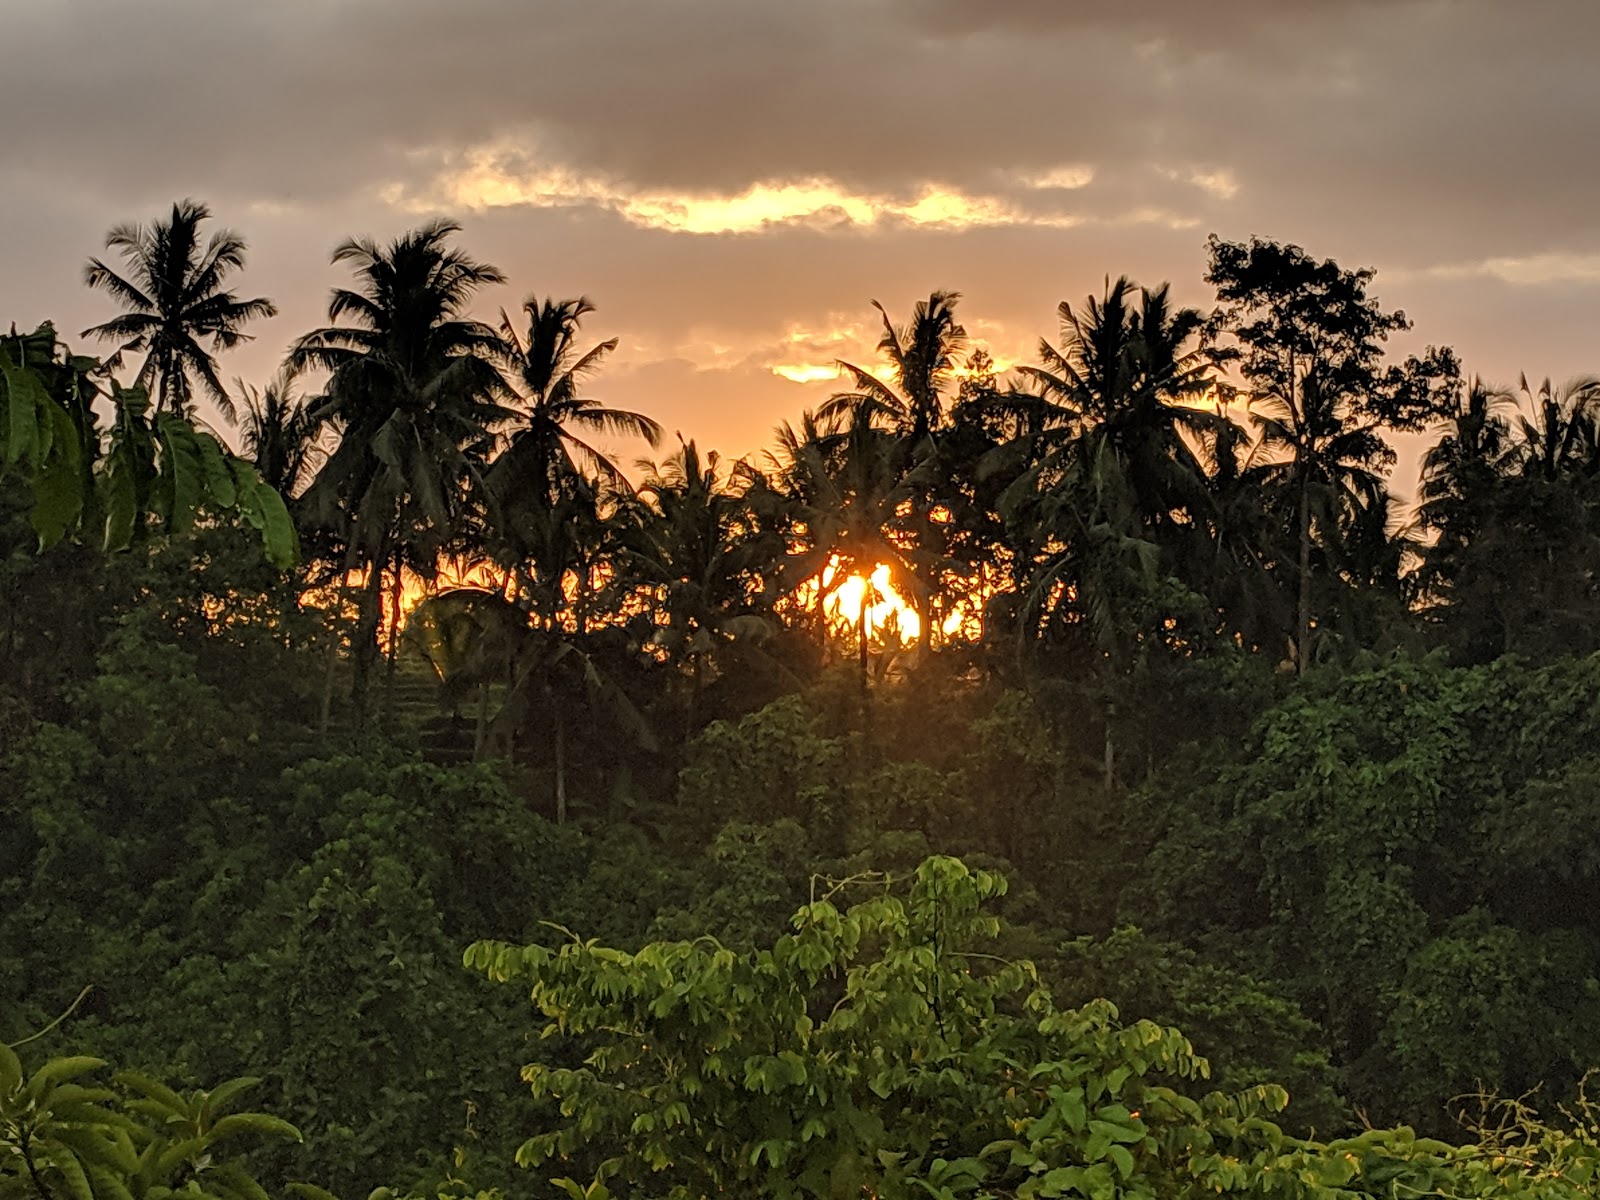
(481, 726)
(393, 649)
(1303, 613)
(326, 714)
(580, 606)
(561, 766)
(1111, 750)
(924, 623)
(365, 648)
(696, 683)
(861, 640)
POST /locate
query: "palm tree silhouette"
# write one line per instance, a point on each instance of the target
(543, 451)
(173, 291)
(922, 358)
(413, 394)
(278, 432)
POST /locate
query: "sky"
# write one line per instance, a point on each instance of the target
(734, 182)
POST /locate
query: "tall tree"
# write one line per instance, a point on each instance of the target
(413, 394)
(1308, 340)
(1512, 492)
(1118, 396)
(545, 450)
(842, 491)
(548, 471)
(708, 566)
(278, 432)
(174, 293)
(1558, 431)
(922, 358)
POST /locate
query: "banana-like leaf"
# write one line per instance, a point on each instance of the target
(219, 482)
(58, 498)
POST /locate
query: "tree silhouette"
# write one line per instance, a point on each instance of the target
(922, 358)
(413, 394)
(1308, 341)
(278, 432)
(545, 453)
(174, 293)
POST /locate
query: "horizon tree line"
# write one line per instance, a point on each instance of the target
(1162, 483)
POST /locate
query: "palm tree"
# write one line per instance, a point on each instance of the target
(413, 394)
(1233, 550)
(1460, 474)
(695, 547)
(278, 432)
(1510, 491)
(1115, 487)
(1559, 431)
(1115, 403)
(1328, 464)
(843, 492)
(922, 357)
(173, 291)
(549, 483)
(544, 453)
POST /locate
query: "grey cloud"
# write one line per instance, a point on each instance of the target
(1407, 134)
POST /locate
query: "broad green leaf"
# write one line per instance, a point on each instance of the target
(59, 1070)
(26, 405)
(156, 1091)
(120, 500)
(219, 483)
(182, 471)
(66, 1162)
(218, 1099)
(58, 484)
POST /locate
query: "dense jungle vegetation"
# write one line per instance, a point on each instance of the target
(865, 820)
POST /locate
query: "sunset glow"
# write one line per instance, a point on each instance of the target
(888, 613)
(513, 174)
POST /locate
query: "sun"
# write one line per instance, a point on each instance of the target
(887, 611)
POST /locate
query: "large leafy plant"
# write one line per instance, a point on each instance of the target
(879, 1050)
(66, 1136)
(118, 484)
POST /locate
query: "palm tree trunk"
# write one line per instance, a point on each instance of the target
(393, 649)
(481, 726)
(1303, 614)
(861, 641)
(924, 623)
(580, 598)
(1110, 750)
(696, 683)
(366, 638)
(561, 766)
(350, 555)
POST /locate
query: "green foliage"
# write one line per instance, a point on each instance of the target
(878, 1050)
(1388, 847)
(774, 764)
(64, 1136)
(1376, 885)
(875, 1047)
(1248, 1030)
(116, 484)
